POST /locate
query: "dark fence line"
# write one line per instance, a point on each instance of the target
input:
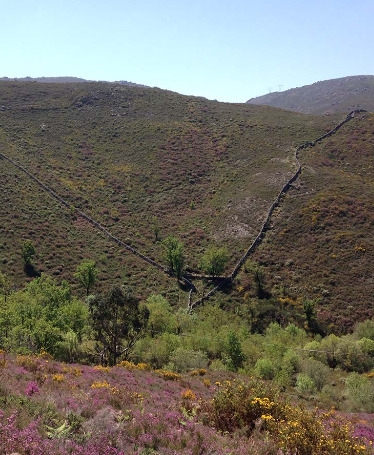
(275, 204)
(87, 218)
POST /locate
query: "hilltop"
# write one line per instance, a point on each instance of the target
(59, 80)
(135, 158)
(340, 95)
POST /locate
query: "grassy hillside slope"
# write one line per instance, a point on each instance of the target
(321, 243)
(129, 157)
(207, 172)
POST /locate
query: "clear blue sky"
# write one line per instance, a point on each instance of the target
(229, 50)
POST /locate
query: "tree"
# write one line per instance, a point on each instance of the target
(86, 274)
(214, 261)
(235, 353)
(174, 255)
(161, 317)
(156, 228)
(310, 313)
(258, 278)
(118, 321)
(40, 316)
(5, 285)
(28, 252)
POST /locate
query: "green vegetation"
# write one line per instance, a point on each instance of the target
(86, 274)
(174, 255)
(213, 261)
(118, 322)
(115, 326)
(28, 252)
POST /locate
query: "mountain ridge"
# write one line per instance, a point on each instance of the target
(331, 96)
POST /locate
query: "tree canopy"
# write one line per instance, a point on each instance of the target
(174, 255)
(118, 322)
(86, 274)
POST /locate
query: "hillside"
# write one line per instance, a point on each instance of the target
(320, 244)
(325, 97)
(135, 158)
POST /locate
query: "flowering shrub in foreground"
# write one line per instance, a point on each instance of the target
(28, 441)
(294, 429)
(81, 410)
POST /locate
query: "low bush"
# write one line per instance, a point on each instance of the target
(249, 406)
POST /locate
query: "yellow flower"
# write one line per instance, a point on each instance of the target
(100, 385)
(188, 395)
(101, 368)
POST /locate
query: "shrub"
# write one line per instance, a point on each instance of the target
(235, 353)
(265, 369)
(364, 329)
(317, 371)
(304, 383)
(239, 405)
(188, 359)
(291, 364)
(360, 390)
(169, 375)
(31, 388)
(244, 407)
(199, 372)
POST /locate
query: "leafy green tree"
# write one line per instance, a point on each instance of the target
(365, 329)
(5, 285)
(310, 313)
(156, 351)
(304, 383)
(174, 255)
(118, 321)
(258, 278)
(28, 252)
(40, 316)
(235, 353)
(86, 274)
(360, 390)
(156, 228)
(265, 368)
(161, 316)
(214, 261)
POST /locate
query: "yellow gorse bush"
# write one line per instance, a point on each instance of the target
(188, 395)
(100, 385)
(74, 371)
(295, 430)
(199, 372)
(264, 403)
(102, 368)
(169, 375)
(134, 366)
